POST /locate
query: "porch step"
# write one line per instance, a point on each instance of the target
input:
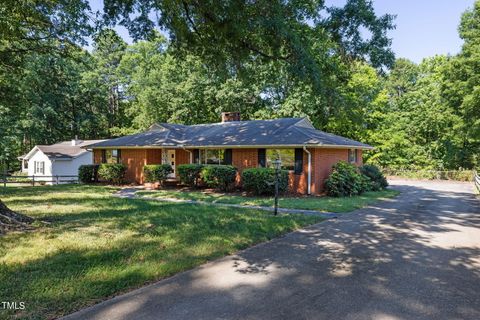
(170, 183)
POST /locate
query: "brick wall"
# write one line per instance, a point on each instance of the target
(298, 183)
(97, 156)
(134, 159)
(181, 157)
(243, 159)
(154, 156)
(322, 161)
(360, 157)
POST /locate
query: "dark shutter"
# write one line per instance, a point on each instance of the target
(104, 156)
(227, 158)
(262, 158)
(196, 156)
(119, 156)
(298, 161)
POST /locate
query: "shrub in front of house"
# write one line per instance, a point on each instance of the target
(88, 173)
(220, 177)
(157, 173)
(376, 179)
(190, 174)
(261, 181)
(345, 180)
(112, 172)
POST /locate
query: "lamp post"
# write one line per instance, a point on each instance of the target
(277, 165)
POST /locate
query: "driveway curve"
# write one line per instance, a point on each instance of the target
(416, 256)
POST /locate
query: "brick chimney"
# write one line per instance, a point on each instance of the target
(76, 142)
(230, 116)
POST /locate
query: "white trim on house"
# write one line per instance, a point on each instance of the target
(282, 146)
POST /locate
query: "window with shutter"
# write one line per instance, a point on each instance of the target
(227, 157)
(196, 156)
(286, 156)
(298, 161)
(119, 156)
(352, 155)
(212, 156)
(262, 158)
(104, 156)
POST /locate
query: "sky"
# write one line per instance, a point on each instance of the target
(424, 28)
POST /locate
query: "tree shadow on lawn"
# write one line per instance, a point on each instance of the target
(413, 257)
(155, 240)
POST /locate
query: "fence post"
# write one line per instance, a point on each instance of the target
(33, 181)
(57, 179)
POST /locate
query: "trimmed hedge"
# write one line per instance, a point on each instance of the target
(219, 177)
(112, 172)
(377, 180)
(88, 173)
(261, 181)
(348, 180)
(345, 180)
(157, 172)
(190, 174)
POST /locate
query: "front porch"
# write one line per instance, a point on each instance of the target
(171, 156)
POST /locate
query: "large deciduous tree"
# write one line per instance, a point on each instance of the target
(230, 33)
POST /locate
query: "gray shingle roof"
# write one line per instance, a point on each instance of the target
(65, 150)
(278, 132)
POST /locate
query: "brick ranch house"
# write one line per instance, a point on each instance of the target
(306, 152)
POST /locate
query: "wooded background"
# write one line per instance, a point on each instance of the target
(266, 59)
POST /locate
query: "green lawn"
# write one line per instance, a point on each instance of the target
(324, 204)
(95, 246)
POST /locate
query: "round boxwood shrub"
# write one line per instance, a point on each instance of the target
(345, 180)
(157, 172)
(220, 177)
(112, 172)
(261, 181)
(190, 174)
(376, 179)
(88, 173)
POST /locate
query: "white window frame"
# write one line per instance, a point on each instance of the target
(39, 167)
(269, 160)
(352, 155)
(203, 156)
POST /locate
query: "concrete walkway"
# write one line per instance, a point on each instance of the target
(416, 256)
(130, 193)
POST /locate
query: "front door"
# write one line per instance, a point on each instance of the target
(171, 161)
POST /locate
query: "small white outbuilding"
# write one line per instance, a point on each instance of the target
(55, 163)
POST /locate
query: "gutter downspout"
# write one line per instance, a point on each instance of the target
(309, 176)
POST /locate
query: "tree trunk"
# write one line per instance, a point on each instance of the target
(10, 220)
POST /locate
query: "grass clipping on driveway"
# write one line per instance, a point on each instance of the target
(322, 204)
(94, 246)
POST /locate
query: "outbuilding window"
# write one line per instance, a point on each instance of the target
(352, 155)
(39, 167)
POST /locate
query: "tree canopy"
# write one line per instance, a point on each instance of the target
(267, 59)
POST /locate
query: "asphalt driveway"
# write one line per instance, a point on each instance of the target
(413, 257)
